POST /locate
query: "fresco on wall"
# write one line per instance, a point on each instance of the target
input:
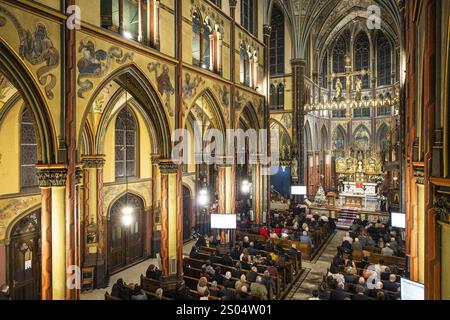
(96, 63)
(190, 86)
(224, 94)
(36, 48)
(4, 87)
(165, 87)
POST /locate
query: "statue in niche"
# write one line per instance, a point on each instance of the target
(338, 89)
(358, 88)
(294, 169)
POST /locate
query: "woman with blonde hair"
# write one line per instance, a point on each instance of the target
(240, 283)
(202, 285)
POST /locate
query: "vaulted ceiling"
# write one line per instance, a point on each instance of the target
(325, 18)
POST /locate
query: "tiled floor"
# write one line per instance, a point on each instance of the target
(314, 272)
(316, 269)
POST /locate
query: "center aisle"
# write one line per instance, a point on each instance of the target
(315, 270)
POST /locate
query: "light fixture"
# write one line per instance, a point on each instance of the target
(127, 35)
(203, 197)
(245, 188)
(127, 219)
(127, 210)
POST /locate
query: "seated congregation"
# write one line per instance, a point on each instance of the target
(368, 265)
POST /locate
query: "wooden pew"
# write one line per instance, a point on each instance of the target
(192, 284)
(110, 297)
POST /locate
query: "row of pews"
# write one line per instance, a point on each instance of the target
(319, 237)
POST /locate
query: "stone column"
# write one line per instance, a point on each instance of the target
(52, 181)
(154, 206)
(170, 215)
(298, 116)
(267, 31)
(93, 219)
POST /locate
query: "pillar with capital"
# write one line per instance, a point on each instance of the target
(265, 184)
(171, 219)
(93, 221)
(52, 181)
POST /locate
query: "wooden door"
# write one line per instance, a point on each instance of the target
(25, 260)
(126, 242)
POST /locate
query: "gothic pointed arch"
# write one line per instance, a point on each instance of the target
(18, 75)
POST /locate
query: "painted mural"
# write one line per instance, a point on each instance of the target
(36, 48)
(165, 87)
(190, 86)
(96, 63)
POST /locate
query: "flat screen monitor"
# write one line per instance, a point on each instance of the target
(298, 191)
(411, 290)
(398, 220)
(223, 221)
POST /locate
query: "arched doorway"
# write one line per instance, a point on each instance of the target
(126, 240)
(187, 214)
(25, 258)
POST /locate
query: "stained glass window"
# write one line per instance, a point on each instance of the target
(125, 144)
(28, 154)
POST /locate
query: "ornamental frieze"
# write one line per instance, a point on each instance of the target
(51, 177)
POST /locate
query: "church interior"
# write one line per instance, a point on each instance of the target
(124, 178)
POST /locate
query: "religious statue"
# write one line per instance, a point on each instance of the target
(338, 89)
(358, 88)
(294, 169)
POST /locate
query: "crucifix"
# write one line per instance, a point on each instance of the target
(349, 75)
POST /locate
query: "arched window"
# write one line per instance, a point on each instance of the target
(196, 39)
(277, 42)
(362, 56)
(324, 72)
(339, 52)
(206, 48)
(361, 113)
(273, 97)
(28, 150)
(384, 60)
(248, 14)
(126, 135)
(281, 96)
(245, 66)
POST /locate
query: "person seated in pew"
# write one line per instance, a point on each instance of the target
(153, 272)
(206, 295)
(273, 271)
(339, 293)
(195, 252)
(4, 293)
(392, 285)
(214, 289)
(236, 271)
(158, 295)
(315, 296)
(356, 246)
(227, 260)
(121, 290)
(202, 285)
(349, 275)
(227, 282)
(205, 274)
(378, 288)
(252, 274)
(347, 238)
(393, 244)
(258, 289)
(360, 293)
(201, 241)
(324, 293)
(251, 249)
(245, 257)
(268, 281)
(387, 251)
(338, 259)
(138, 294)
(209, 268)
(363, 264)
(242, 294)
(306, 239)
(241, 283)
(217, 276)
(380, 296)
(246, 242)
(292, 252)
(380, 267)
(236, 253)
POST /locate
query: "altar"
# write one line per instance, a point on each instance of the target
(366, 189)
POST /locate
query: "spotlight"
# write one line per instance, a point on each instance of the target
(127, 35)
(127, 220)
(127, 210)
(245, 188)
(203, 198)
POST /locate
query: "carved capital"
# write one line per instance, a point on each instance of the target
(93, 162)
(168, 167)
(267, 30)
(155, 158)
(233, 4)
(78, 174)
(442, 207)
(54, 176)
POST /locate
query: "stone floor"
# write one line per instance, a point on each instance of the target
(309, 281)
